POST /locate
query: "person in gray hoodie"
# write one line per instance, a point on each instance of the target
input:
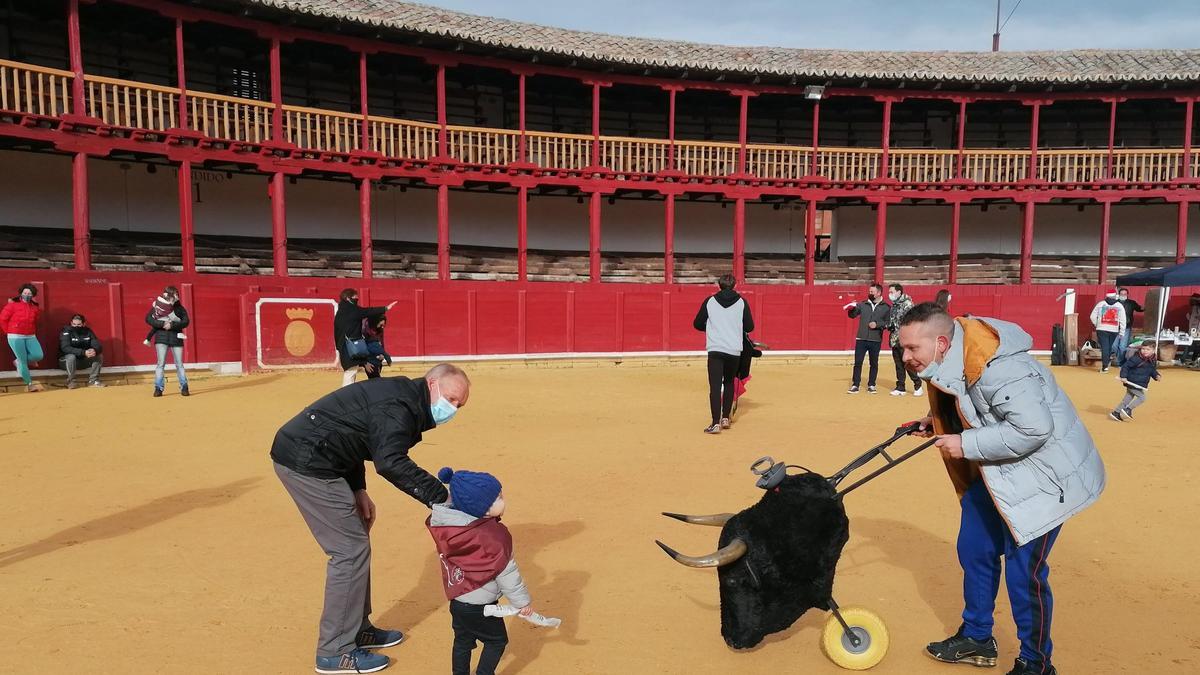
(1019, 458)
(725, 319)
(872, 315)
(476, 554)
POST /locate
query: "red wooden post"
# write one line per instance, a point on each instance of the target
(887, 139)
(279, 257)
(80, 211)
(594, 238)
(669, 240)
(74, 45)
(186, 223)
(1187, 138)
(522, 153)
(365, 133)
(1112, 135)
(962, 140)
(443, 232)
(276, 97)
(739, 238)
(671, 138)
(522, 232)
(816, 127)
(364, 223)
(1027, 209)
(1032, 172)
(595, 124)
(1105, 220)
(1181, 232)
(743, 119)
(443, 141)
(955, 222)
(810, 242)
(116, 325)
(880, 239)
(181, 74)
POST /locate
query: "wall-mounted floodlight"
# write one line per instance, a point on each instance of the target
(814, 92)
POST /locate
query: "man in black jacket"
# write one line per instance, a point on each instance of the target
(347, 325)
(872, 315)
(79, 347)
(1126, 336)
(319, 456)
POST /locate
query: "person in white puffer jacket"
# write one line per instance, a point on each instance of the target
(1108, 317)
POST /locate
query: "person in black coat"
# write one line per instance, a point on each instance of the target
(168, 336)
(872, 315)
(78, 347)
(347, 326)
(320, 455)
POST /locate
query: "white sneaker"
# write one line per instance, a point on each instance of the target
(919, 391)
(853, 389)
(872, 390)
(898, 392)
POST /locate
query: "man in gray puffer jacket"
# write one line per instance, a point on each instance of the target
(1021, 461)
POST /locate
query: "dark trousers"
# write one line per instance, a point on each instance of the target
(471, 626)
(722, 368)
(901, 372)
(1107, 340)
(982, 539)
(864, 348)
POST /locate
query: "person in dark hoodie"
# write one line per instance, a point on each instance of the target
(348, 338)
(319, 456)
(872, 315)
(79, 347)
(478, 567)
(1136, 374)
(1126, 336)
(725, 319)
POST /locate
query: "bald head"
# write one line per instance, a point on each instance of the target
(448, 380)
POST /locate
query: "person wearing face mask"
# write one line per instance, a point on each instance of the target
(79, 347)
(19, 320)
(1130, 305)
(319, 456)
(352, 348)
(872, 315)
(901, 303)
(1019, 458)
(1108, 317)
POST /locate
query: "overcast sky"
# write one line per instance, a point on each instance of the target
(871, 24)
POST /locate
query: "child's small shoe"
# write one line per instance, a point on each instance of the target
(1115, 416)
(146, 342)
(181, 336)
(1126, 414)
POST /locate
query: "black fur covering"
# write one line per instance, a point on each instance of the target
(794, 536)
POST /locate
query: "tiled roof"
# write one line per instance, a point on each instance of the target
(1040, 67)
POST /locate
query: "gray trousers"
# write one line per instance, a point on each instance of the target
(72, 362)
(328, 508)
(1133, 398)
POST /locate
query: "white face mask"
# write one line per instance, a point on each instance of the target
(893, 296)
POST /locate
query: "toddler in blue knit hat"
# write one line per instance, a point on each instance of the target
(476, 554)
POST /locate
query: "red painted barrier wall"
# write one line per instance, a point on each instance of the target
(464, 317)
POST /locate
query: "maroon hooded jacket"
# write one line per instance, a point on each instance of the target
(471, 555)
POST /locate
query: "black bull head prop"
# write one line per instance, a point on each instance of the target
(776, 559)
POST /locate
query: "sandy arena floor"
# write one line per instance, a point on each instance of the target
(152, 536)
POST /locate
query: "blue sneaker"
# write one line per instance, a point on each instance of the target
(378, 638)
(357, 661)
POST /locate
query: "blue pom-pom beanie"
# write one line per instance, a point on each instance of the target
(471, 492)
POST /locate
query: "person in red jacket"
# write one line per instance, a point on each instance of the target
(19, 320)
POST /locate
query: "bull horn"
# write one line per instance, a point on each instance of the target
(715, 520)
(728, 553)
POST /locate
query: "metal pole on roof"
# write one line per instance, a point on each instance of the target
(996, 35)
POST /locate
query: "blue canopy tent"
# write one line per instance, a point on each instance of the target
(1185, 274)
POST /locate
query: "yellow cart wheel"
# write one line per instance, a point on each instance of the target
(867, 627)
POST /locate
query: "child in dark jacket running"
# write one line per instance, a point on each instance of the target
(1136, 374)
(476, 554)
